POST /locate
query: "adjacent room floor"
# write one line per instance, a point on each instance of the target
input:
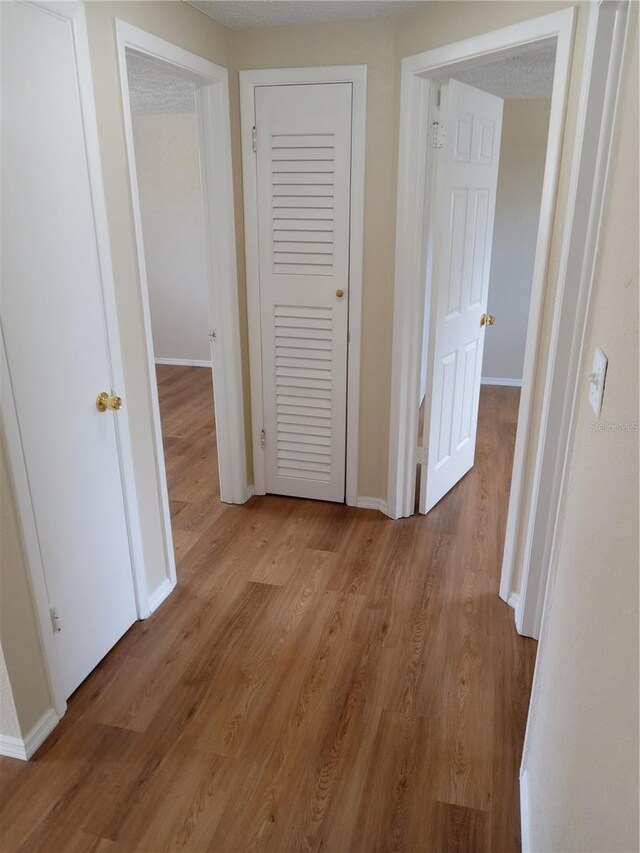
(322, 677)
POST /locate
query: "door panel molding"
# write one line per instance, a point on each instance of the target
(461, 235)
(356, 75)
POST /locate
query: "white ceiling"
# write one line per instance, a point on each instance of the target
(156, 88)
(271, 13)
(527, 75)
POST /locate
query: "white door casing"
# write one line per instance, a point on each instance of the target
(303, 166)
(57, 322)
(466, 173)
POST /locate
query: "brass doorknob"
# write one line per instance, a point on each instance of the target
(339, 293)
(105, 402)
(487, 320)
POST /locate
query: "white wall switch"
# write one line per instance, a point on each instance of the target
(596, 380)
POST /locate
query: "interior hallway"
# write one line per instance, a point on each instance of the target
(322, 677)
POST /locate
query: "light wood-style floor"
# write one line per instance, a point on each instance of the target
(322, 677)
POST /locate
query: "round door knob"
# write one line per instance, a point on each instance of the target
(108, 402)
(339, 293)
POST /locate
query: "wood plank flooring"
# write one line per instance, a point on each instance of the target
(323, 678)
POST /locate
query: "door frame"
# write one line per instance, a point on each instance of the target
(74, 13)
(413, 198)
(357, 75)
(608, 45)
(214, 137)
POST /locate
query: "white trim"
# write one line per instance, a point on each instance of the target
(525, 815)
(212, 101)
(184, 362)
(357, 75)
(509, 383)
(596, 114)
(13, 747)
(606, 43)
(24, 748)
(372, 503)
(160, 594)
(75, 14)
(513, 600)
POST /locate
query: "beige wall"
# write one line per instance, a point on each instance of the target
(523, 149)
(169, 184)
(9, 725)
(583, 747)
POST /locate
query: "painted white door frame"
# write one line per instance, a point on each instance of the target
(74, 13)
(357, 75)
(599, 94)
(413, 198)
(212, 106)
(607, 41)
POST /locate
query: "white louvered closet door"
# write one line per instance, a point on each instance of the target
(304, 176)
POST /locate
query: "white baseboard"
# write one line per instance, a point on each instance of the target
(184, 362)
(158, 595)
(513, 600)
(15, 747)
(372, 503)
(249, 492)
(525, 815)
(492, 380)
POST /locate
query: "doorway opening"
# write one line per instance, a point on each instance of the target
(472, 409)
(169, 178)
(528, 520)
(176, 114)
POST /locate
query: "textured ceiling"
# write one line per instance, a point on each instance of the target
(158, 88)
(270, 13)
(527, 75)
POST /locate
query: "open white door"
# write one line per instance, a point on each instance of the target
(303, 167)
(462, 215)
(52, 311)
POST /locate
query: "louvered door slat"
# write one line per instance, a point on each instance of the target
(303, 163)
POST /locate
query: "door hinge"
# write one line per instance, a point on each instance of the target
(438, 94)
(212, 335)
(55, 620)
(437, 134)
(263, 439)
(254, 138)
(422, 455)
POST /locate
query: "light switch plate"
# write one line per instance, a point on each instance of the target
(597, 379)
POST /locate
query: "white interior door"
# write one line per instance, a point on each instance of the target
(303, 174)
(466, 177)
(54, 327)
